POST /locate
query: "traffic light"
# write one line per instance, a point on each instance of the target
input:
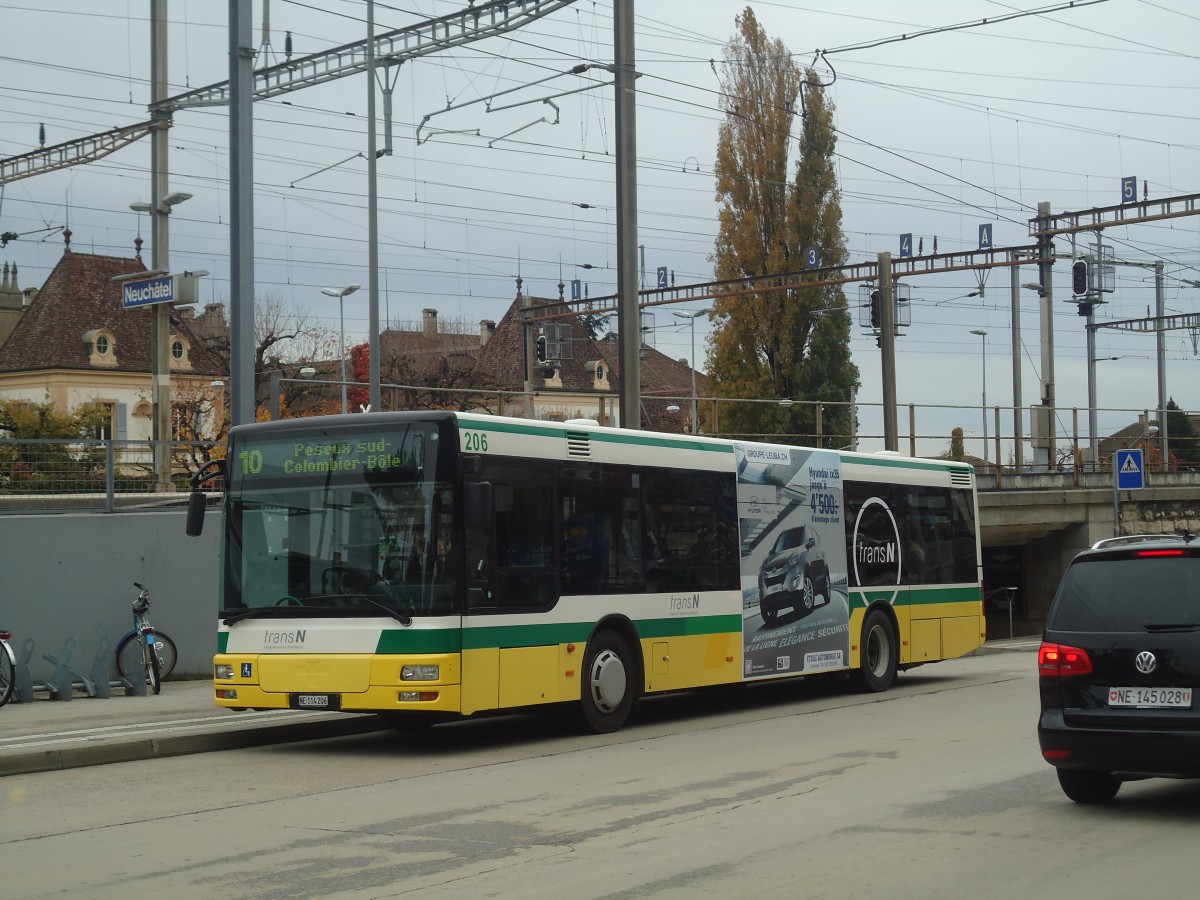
(874, 309)
(541, 348)
(1079, 278)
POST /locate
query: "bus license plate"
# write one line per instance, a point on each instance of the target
(1151, 698)
(316, 701)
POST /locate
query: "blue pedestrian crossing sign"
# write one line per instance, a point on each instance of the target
(1129, 469)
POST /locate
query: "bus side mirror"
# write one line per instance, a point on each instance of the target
(214, 468)
(195, 513)
(478, 503)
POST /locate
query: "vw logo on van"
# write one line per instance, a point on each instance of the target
(1145, 662)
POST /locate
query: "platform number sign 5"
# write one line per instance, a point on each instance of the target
(1129, 189)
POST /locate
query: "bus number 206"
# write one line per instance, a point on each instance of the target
(476, 441)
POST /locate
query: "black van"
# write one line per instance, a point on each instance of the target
(1119, 666)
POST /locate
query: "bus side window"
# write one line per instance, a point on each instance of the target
(525, 575)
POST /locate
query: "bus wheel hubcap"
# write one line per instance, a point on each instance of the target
(608, 681)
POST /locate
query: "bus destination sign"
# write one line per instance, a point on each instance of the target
(325, 454)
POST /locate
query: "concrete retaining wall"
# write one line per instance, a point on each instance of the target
(71, 575)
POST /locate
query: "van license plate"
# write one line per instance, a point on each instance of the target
(1151, 698)
(316, 701)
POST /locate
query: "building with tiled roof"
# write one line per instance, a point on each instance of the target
(579, 377)
(436, 367)
(666, 387)
(75, 344)
(1143, 434)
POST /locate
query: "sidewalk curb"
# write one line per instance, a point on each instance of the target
(180, 745)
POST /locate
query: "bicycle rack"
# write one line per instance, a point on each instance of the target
(63, 682)
(100, 670)
(134, 685)
(24, 687)
(66, 678)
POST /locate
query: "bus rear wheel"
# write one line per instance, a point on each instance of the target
(607, 692)
(878, 656)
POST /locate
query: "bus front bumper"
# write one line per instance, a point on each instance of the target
(338, 682)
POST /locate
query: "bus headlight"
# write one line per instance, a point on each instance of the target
(223, 672)
(420, 673)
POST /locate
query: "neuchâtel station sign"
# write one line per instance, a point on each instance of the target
(147, 291)
(160, 288)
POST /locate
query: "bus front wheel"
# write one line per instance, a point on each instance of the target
(607, 692)
(879, 654)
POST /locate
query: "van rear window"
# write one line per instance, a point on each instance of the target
(1127, 594)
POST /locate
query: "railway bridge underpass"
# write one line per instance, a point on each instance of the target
(1031, 525)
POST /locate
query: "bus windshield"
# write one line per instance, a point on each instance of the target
(355, 520)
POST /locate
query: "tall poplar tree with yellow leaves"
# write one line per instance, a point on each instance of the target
(783, 344)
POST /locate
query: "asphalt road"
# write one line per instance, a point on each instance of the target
(934, 789)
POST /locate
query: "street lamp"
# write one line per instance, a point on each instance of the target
(983, 341)
(693, 316)
(160, 337)
(341, 293)
(277, 379)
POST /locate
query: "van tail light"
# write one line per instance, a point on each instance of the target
(1061, 661)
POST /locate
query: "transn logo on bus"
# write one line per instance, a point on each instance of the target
(283, 637)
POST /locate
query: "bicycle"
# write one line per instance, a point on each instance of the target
(145, 648)
(8, 668)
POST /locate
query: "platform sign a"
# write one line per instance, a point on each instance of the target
(1131, 474)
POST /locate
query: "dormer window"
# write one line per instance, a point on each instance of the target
(101, 347)
(599, 374)
(180, 348)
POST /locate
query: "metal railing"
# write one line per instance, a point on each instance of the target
(49, 475)
(107, 475)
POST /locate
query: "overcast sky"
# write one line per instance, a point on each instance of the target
(938, 134)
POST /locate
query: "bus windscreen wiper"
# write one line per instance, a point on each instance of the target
(403, 616)
(252, 613)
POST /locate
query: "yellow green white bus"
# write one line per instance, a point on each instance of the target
(439, 565)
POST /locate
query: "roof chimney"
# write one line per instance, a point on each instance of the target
(487, 328)
(429, 323)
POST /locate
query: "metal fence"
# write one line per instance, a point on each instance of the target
(48, 475)
(108, 475)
